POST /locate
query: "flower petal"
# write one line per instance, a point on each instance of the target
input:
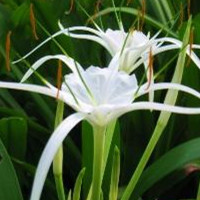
(50, 150)
(98, 38)
(156, 51)
(67, 60)
(66, 31)
(193, 56)
(80, 28)
(30, 87)
(161, 86)
(118, 111)
(52, 92)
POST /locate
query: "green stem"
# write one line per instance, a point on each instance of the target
(58, 159)
(99, 140)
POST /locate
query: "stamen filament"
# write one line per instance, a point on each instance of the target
(96, 10)
(97, 5)
(71, 6)
(84, 83)
(70, 90)
(126, 39)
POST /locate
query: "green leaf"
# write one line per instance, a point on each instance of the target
(69, 195)
(176, 159)
(10, 189)
(10, 100)
(77, 187)
(4, 19)
(21, 15)
(13, 132)
(101, 195)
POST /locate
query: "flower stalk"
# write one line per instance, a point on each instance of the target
(58, 159)
(99, 141)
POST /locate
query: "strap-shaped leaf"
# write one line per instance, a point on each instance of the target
(10, 189)
(69, 195)
(175, 159)
(13, 132)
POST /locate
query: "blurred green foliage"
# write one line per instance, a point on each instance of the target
(27, 119)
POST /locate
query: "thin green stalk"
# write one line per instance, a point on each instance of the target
(99, 141)
(58, 159)
(198, 193)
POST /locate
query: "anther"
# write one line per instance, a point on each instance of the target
(150, 68)
(59, 77)
(143, 10)
(8, 44)
(33, 22)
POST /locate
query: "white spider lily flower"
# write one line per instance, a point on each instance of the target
(98, 95)
(130, 46)
(133, 47)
